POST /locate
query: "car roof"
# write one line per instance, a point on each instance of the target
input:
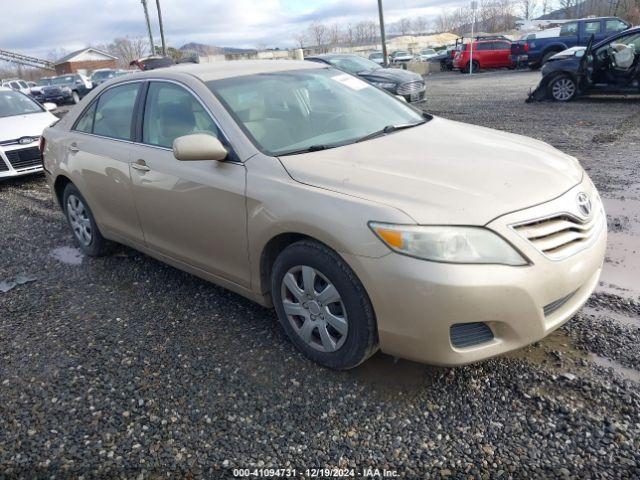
(231, 68)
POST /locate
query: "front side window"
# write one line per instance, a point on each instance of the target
(290, 111)
(592, 28)
(114, 111)
(15, 103)
(569, 29)
(171, 112)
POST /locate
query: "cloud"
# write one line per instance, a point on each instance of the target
(71, 24)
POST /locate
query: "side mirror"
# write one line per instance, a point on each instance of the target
(199, 146)
(49, 106)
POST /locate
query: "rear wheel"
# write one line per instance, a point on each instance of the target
(82, 223)
(563, 88)
(476, 67)
(546, 57)
(322, 306)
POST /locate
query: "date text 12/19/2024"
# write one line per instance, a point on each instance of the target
(368, 472)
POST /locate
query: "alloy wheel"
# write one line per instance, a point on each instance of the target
(314, 308)
(563, 89)
(79, 220)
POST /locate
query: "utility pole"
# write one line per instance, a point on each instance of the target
(164, 45)
(383, 37)
(146, 16)
(474, 6)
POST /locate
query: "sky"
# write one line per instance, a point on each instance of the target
(47, 26)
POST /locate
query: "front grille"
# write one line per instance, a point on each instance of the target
(3, 166)
(553, 306)
(24, 158)
(411, 87)
(469, 334)
(560, 236)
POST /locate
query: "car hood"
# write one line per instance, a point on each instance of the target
(30, 125)
(395, 75)
(568, 53)
(443, 172)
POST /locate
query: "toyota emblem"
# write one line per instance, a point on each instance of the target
(584, 204)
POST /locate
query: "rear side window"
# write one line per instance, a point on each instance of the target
(484, 46)
(114, 112)
(171, 112)
(615, 26)
(502, 46)
(592, 28)
(85, 122)
(569, 29)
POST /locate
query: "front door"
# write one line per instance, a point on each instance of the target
(192, 211)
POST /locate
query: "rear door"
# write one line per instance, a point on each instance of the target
(502, 53)
(97, 152)
(193, 212)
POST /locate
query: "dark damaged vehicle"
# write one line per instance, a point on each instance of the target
(396, 81)
(610, 66)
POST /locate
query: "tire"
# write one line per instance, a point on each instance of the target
(75, 97)
(546, 57)
(351, 334)
(563, 88)
(83, 224)
(476, 67)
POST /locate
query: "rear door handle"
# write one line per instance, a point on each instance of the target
(140, 165)
(73, 148)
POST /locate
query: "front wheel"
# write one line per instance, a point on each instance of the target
(322, 306)
(563, 88)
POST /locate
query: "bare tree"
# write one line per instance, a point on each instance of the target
(301, 39)
(318, 32)
(333, 34)
(420, 24)
(128, 49)
(528, 8)
(404, 25)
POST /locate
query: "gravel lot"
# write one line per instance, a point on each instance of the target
(122, 367)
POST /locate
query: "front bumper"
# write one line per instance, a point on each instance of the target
(17, 160)
(418, 302)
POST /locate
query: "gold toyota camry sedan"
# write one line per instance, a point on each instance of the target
(366, 223)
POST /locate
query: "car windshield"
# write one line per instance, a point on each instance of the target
(15, 103)
(428, 51)
(288, 112)
(354, 64)
(102, 74)
(44, 81)
(65, 80)
(375, 55)
(401, 54)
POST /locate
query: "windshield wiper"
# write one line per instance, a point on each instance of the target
(312, 148)
(389, 129)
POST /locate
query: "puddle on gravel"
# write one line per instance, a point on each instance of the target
(68, 255)
(625, 372)
(622, 264)
(388, 374)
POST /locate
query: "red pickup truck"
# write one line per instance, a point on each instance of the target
(486, 54)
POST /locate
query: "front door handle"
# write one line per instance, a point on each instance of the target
(140, 165)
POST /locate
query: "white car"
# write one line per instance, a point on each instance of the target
(18, 85)
(427, 53)
(22, 121)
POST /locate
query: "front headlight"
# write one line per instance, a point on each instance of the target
(384, 85)
(66, 89)
(451, 244)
